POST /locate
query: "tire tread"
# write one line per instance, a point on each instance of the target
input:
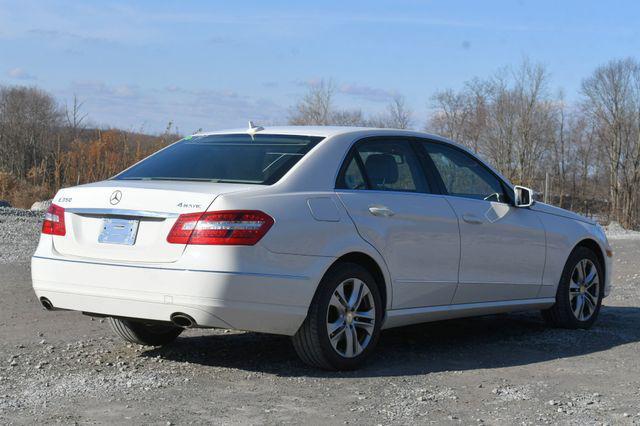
(137, 332)
(306, 341)
(560, 314)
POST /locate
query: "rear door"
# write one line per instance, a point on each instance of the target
(388, 197)
(502, 246)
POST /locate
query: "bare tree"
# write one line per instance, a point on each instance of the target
(397, 116)
(451, 116)
(316, 107)
(560, 147)
(583, 159)
(507, 118)
(477, 100)
(347, 118)
(612, 102)
(462, 116)
(28, 119)
(534, 119)
(512, 121)
(75, 118)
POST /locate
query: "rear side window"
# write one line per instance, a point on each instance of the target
(384, 165)
(231, 158)
(463, 175)
(353, 177)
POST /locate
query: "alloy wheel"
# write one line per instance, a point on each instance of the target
(351, 317)
(584, 290)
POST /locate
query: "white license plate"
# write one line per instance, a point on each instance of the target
(119, 231)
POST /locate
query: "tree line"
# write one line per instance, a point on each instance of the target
(585, 155)
(45, 146)
(582, 155)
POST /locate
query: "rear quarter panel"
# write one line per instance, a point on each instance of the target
(306, 224)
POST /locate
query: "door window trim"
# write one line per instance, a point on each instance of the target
(429, 164)
(432, 185)
(431, 173)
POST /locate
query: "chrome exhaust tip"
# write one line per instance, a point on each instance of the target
(183, 320)
(46, 303)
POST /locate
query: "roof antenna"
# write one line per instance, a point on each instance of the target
(253, 129)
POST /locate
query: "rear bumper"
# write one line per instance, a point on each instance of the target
(263, 302)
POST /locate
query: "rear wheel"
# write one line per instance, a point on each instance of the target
(147, 334)
(343, 324)
(580, 292)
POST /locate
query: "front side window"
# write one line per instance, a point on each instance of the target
(230, 158)
(391, 166)
(463, 175)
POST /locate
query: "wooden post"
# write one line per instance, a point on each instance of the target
(546, 188)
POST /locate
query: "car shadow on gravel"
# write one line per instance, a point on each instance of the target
(487, 342)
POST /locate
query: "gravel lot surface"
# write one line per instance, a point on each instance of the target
(503, 369)
(19, 233)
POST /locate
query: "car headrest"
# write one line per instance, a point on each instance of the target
(381, 169)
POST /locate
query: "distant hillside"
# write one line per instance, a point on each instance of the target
(44, 147)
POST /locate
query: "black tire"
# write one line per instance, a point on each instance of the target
(561, 313)
(312, 343)
(147, 334)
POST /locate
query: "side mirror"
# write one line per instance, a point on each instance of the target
(523, 196)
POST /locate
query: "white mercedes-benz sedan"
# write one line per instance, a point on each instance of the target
(325, 234)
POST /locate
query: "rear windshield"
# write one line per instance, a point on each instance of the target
(261, 159)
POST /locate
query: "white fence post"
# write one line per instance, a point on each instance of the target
(546, 187)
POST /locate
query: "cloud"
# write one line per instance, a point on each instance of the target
(100, 88)
(218, 40)
(47, 34)
(354, 90)
(311, 82)
(366, 92)
(150, 109)
(20, 74)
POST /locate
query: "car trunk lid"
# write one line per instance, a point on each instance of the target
(130, 220)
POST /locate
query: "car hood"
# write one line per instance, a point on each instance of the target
(557, 211)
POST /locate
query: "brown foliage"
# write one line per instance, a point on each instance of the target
(103, 157)
(41, 151)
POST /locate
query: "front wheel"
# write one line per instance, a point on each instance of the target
(343, 324)
(580, 292)
(147, 334)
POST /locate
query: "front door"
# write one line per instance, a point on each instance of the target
(502, 247)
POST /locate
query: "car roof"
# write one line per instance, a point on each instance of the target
(322, 131)
(330, 131)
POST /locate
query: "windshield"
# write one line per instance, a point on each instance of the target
(236, 158)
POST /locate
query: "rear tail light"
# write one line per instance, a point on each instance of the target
(229, 227)
(54, 221)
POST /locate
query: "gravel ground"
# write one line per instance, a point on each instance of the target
(19, 233)
(501, 369)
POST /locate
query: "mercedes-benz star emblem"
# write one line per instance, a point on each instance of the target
(115, 197)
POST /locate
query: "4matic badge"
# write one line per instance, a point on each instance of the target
(189, 206)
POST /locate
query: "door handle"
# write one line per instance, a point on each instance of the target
(381, 211)
(471, 218)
